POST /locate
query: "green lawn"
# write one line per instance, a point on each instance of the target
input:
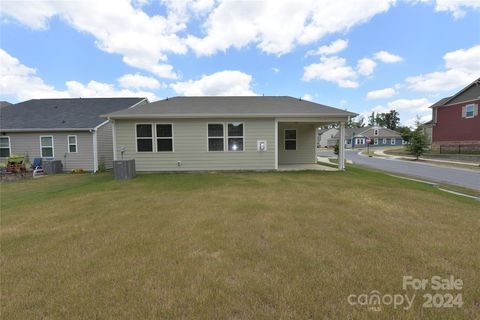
(231, 246)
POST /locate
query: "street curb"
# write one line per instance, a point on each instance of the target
(435, 185)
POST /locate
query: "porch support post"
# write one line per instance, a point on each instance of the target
(341, 147)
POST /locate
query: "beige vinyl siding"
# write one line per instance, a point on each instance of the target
(190, 146)
(105, 145)
(306, 136)
(29, 143)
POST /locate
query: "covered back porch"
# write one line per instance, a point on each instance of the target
(297, 140)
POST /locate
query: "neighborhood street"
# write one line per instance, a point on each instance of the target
(468, 178)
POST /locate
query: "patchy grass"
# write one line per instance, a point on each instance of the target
(231, 245)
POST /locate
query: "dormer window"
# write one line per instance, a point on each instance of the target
(375, 132)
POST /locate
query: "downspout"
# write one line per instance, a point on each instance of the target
(114, 139)
(276, 144)
(95, 151)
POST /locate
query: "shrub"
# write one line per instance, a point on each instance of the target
(78, 171)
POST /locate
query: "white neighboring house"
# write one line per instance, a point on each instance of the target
(70, 130)
(326, 135)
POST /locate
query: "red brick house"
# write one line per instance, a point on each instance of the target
(456, 123)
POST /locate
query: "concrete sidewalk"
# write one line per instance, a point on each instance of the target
(382, 153)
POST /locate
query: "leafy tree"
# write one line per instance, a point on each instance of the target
(336, 149)
(372, 119)
(418, 141)
(405, 131)
(359, 123)
(380, 120)
(389, 120)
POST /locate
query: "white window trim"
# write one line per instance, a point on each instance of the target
(285, 140)
(375, 141)
(72, 144)
(152, 138)
(375, 132)
(360, 141)
(164, 138)
(393, 141)
(9, 145)
(473, 111)
(223, 137)
(242, 137)
(41, 147)
(384, 141)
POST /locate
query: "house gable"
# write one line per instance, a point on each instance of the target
(471, 93)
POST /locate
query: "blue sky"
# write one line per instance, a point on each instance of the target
(355, 54)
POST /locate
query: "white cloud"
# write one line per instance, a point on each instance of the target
(143, 41)
(366, 66)
(276, 26)
(461, 67)
(138, 81)
(387, 57)
(99, 89)
(223, 83)
(307, 97)
(457, 7)
(380, 94)
(406, 105)
(22, 82)
(334, 47)
(333, 69)
(412, 121)
(276, 70)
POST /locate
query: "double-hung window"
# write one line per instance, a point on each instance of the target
(144, 134)
(216, 137)
(164, 137)
(72, 144)
(392, 141)
(290, 139)
(4, 147)
(375, 132)
(384, 141)
(469, 111)
(235, 136)
(375, 141)
(46, 147)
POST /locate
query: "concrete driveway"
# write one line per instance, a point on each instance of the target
(469, 178)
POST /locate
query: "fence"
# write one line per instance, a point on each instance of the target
(460, 149)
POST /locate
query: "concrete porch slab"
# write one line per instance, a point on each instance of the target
(300, 167)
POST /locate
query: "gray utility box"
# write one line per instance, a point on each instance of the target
(52, 166)
(124, 169)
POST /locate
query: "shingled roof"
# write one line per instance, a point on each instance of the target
(233, 106)
(78, 113)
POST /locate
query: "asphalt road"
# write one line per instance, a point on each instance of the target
(469, 178)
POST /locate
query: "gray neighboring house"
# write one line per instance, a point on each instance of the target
(381, 137)
(427, 128)
(222, 133)
(70, 130)
(325, 135)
